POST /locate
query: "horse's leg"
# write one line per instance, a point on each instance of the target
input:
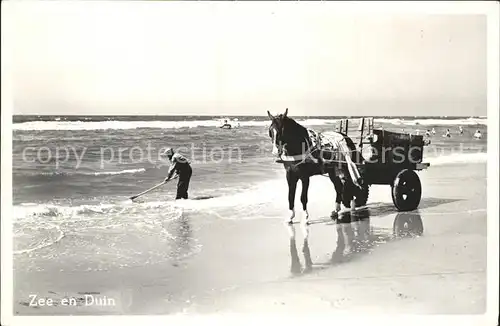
(303, 196)
(337, 183)
(292, 187)
(353, 205)
(350, 189)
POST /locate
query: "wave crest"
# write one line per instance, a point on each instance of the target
(458, 159)
(129, 171)
(104, 125)
(32, 211)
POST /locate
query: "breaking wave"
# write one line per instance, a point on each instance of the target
(104, 125)
(56, 212)
(66, 173)
(129, 171)
(458, 158)
(438, 122)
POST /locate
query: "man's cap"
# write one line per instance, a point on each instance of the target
(168, 152)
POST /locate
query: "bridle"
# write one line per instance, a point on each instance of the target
(276, 132)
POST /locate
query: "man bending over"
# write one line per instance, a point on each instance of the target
(181, 166)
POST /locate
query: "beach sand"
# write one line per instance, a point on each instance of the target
(251, 265)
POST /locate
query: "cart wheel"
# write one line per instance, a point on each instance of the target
(408, 225)
(361, 195)
(406, 190)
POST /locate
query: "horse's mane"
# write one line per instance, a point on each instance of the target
(289, 122)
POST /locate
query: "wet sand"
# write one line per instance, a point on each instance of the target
(263, 265)
(443, 271)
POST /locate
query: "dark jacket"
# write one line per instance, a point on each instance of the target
(181, 165)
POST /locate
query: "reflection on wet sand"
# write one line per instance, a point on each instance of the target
(355, 236)
(296, 267)
(181, 235)
(408, 224)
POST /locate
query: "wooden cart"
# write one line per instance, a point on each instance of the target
(388, 158)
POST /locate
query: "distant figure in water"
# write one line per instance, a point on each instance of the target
(433, 131)
(460, 130)
(448, 134)
(226, 124)
(180, 165)
(428, 133)
(478, 134)
(418, 132)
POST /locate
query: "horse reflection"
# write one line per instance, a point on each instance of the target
(295, 266)
(355, 235)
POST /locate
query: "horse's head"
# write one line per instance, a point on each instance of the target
(277, 131)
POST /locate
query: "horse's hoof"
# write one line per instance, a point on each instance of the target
(342, 215)
(337, 207)
(334, 215)
(348, 251)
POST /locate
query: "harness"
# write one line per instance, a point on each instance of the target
(315, 142)
(331, 141)
(313, 145)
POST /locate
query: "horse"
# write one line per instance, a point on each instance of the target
(293, 140)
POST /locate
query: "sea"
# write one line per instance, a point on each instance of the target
(73, 176)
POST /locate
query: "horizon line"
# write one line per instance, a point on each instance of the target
(247, 115)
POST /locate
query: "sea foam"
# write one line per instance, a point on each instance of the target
(105, 125)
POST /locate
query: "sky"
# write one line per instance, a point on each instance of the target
(190, 58)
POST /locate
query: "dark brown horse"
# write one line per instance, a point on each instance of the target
(304, 159)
